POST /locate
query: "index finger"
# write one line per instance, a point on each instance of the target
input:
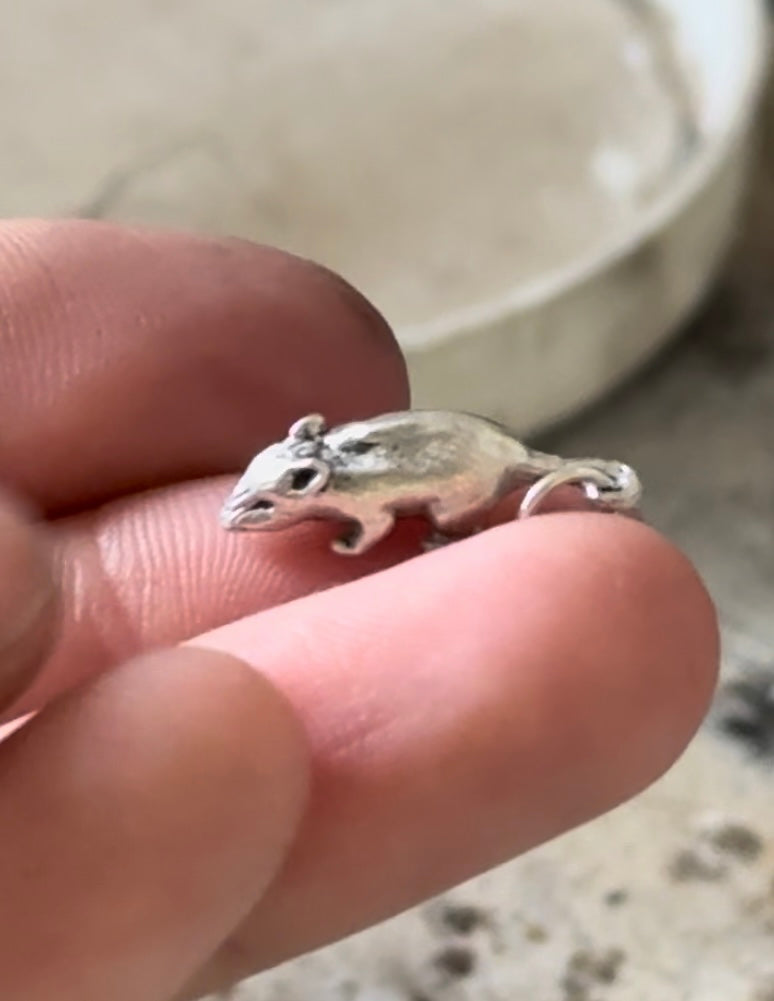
(131, 359)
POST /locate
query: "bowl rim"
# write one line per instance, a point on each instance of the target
(530, 295)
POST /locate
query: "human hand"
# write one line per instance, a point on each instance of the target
(314, 758)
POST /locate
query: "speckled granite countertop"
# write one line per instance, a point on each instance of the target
(671, 897)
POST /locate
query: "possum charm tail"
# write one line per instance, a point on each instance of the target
(450, 468)
(609, 486)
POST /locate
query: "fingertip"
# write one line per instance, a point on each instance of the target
(176, 784)
(684, 617)
(343, 298)
(236, 731)
(250, 720)
(650, 631)
(339, 322)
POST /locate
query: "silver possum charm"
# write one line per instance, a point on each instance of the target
(449, 467)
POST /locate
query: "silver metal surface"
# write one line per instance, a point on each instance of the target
(450, 467)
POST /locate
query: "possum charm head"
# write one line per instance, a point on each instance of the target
(282, 482)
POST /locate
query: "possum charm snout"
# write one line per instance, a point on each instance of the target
(448, 467)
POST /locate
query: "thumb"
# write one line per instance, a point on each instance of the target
(142, 818)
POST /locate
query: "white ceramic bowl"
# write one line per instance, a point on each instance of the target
(543, 350)
(395, 141)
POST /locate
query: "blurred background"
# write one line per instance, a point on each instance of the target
(540, 195)
(536, 194)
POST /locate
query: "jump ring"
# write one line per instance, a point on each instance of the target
(590, 479)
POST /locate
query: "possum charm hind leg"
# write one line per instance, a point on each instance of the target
(452, 522)
(362, 535)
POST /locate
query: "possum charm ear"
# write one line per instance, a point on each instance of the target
(308, 428)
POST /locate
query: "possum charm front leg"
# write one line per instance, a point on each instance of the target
(364, 534)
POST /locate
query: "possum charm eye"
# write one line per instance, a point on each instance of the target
(301, 479)
(305, 478)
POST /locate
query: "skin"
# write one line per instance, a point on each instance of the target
(230, 729)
